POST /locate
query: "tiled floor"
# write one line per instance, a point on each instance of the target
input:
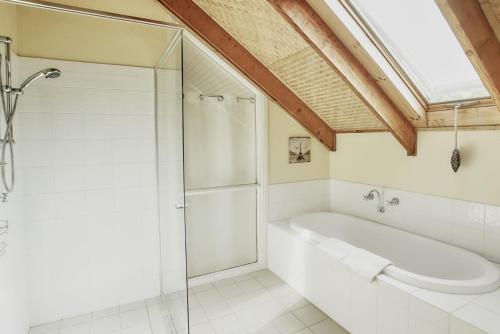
(252, 303)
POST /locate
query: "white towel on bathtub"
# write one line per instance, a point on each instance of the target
(365, 264)
(337, 248)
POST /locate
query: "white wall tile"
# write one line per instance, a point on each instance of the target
(68, 152)
(491, 246)
(392, 309)
(458, 326)
(97, 151)
(67, 126)
(37, 180)
(34, 153)
(363, 306)
(425, 318)
(480, 318)
(468, 224)
(33, 126)
(97, 126)
(289, 199)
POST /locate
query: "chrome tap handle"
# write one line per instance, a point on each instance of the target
(393, 202)
(369, 196)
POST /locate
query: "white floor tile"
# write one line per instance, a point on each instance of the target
(226, 325)
(288, 323)
(255, 303)
(242, 277)
(106, 312)
(204, 287)
(45, 328)
(268, 280)
(197, 316)
(293, 301)
(134, 318)
(83, 328)
(106, 325)
(260, 273)
(263, 329)
(304, 331)
(230, 290)
(223, 282)
(76, 320)
(209, 297)
(203, 328)
(132, 306)
(250, 285)
(217, 310)
(327, 326)
(310, 315)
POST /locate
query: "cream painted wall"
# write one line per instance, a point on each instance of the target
(57, 35)
(8, 22)
(281, 126)
(377, 158)
(150, 9)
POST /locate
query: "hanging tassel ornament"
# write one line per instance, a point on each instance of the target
(455, 156)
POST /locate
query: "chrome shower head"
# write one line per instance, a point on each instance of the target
(48, 73)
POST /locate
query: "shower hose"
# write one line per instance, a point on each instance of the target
(7, 140)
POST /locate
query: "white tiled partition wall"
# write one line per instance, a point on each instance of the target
(87, 167)
(469, 225)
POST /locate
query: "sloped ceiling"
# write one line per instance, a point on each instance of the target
(261, 30)
(203, 76)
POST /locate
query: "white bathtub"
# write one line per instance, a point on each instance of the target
(417, 260)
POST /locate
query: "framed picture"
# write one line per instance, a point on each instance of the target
(299, 149)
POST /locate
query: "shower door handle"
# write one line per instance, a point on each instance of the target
(181, 206)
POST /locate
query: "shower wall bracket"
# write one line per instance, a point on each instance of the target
(219, 98)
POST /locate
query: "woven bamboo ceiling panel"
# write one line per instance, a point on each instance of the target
(495, 4)
(313, 80)
(258, 27)
(492, 10)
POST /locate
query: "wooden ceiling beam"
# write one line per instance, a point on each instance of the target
(470, 24)
(211, 32)
(319, 36)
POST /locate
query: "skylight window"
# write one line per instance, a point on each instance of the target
(419, 39)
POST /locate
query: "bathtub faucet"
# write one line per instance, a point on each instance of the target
(370, 196)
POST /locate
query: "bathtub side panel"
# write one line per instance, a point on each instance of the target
(311, 272)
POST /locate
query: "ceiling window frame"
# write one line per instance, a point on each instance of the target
(392, 61)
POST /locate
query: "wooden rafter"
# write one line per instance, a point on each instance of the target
(318, 34)
(210, 31)
(478, 39)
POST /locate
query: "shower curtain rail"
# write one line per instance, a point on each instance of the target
(92, 12)
(220, 98)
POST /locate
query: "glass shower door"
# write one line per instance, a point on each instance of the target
(169, 134)
(220, 166)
